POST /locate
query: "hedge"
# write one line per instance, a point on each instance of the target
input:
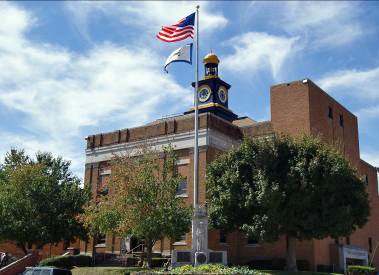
(67, 261)
(277, 264)
(158, 262)
(360, 269)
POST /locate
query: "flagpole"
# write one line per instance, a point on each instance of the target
(196, 146)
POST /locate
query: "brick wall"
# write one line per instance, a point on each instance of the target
(19, 266)
(177, 125)
(297, 107)
(371, 229)
(290, 108)
(303, 108)
(45, 252)
(345, 136)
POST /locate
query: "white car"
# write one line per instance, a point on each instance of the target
(39, 270)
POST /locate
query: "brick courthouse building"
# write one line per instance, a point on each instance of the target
(296, 107)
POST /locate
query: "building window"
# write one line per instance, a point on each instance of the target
(347, 240)
(251, 241)
(330, 112)
(102, 184)
(222, 236)
(341, 120)
(366, 179)
(181, 190)
(181, 240)
(100, 240)
(370, 244)
(104, 191)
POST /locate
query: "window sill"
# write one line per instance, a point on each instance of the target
(100, 245)
(182, 196)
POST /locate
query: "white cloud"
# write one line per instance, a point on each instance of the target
(359, 84)
(322, 24)
(14, 20)
(60, 92)
(34, 144)
(371, 157)
(362, 88)
(369, 113)
(254, 51)
(149, 15)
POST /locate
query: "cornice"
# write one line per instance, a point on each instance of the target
(206, 137)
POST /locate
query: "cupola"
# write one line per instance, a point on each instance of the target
(213, 92)
(211, 65)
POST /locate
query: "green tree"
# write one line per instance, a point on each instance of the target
(40, 200)
(298, 188)
(142, 199)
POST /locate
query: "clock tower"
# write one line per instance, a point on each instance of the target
(213, 93)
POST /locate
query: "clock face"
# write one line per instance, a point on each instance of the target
(222, 94)
(204, 94)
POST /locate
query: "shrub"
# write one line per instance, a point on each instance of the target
(277, 264)
(360, 269)
(132, 261)
(303, 265)
(242, 270)
(158, 262)
(209, 268)
(325, 268)
(182, 269)
(67, 261)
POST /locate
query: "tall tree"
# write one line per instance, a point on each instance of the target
(40, 200)
(142, 199)
(297, 188)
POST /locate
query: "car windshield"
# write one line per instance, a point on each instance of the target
(37, 271)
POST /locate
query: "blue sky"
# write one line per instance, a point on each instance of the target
(71, 69)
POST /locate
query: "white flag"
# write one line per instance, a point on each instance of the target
(183, 54)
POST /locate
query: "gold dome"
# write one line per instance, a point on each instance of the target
(211, 58)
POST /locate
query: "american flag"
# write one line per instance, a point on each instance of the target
(180, 31)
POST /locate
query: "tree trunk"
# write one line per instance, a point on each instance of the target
(149, 248)
(23, 248)
(94, 240)
(291, 254)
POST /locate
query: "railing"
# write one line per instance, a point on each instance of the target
(19, 265)
(131, 252)
(125, 254)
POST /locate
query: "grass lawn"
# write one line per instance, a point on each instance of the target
(100, 270)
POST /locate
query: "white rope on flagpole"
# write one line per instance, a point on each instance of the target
(196, 145)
